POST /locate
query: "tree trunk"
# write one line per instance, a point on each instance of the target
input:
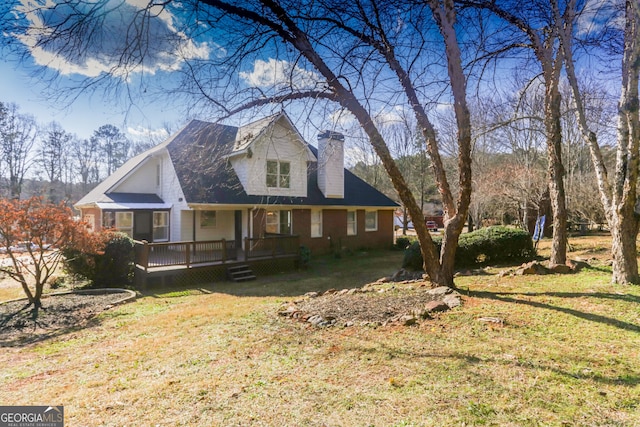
(623, 248)
(620, 198)
(553, 128)
(624, 218)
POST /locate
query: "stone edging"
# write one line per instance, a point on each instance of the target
(130, 295)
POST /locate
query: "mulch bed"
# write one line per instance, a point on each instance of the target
(19, 325)
(373, 305)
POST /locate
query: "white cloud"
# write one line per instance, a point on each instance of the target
(142, 132)
(99, 47)
(390, 116)
(598, 13)
(279, 75)
(342, 118)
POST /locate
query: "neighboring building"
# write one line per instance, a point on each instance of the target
(211, 181)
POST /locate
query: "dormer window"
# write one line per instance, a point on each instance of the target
(278, 174)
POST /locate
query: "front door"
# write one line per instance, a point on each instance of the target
(143, 226)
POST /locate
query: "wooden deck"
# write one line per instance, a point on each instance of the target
(207, 259)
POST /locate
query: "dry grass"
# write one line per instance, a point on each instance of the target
(568, 353)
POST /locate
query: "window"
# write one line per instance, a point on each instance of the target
(316, 223)
(108, 220)
(160, 226)
(279, 222)
(278, 174)
(208, 219)
(158, 175)
(371, 221)
(352, 224)
(124, 222)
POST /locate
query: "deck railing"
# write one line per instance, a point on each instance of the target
(271, 246)
(184, 253)
(165, 254)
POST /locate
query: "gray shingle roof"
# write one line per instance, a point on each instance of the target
(199, 152)
(207, 177)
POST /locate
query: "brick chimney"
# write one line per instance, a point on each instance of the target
(331, 164)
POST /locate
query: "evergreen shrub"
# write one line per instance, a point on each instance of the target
(491, 245)
(112, 266)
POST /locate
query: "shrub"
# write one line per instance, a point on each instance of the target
(491, 245)
(412, 259)
(304, 257)
(111, 265)
(403, 242)
(115, 266)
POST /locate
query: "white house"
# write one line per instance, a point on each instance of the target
(211, 181)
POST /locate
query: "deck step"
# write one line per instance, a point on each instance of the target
(240, 273)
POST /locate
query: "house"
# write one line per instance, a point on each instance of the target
(211, 181)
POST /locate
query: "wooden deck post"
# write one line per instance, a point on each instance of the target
(188, 254)
(224, 251)
(145, 255)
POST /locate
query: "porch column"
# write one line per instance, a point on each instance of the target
(194, 226)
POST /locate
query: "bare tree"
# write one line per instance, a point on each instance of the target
(113, 144)
(353, 54)
(84, 153)
(52, 157)
(537, 28)
(619, 195)
(18, 134)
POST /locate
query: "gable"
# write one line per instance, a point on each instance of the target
(278, 143)
(143, 179)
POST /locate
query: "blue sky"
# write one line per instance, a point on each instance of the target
(22, 81)
(83, 116)
(172, 47)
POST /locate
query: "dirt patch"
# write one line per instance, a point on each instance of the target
(19, 324)
(373, 305)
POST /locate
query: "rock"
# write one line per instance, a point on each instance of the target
(577, 265)
(398, 274)
(312, 294)
(560, 269)
(440, 291)
(494, 320)
(330, 291)
(463, 273)
(288, 311)
(435, 306)
(452, 300)
(316, 320)
(409, 320)
(405, 276)
(420, 314)
(533, 267)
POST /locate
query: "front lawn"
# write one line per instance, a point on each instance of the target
(564, 350)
